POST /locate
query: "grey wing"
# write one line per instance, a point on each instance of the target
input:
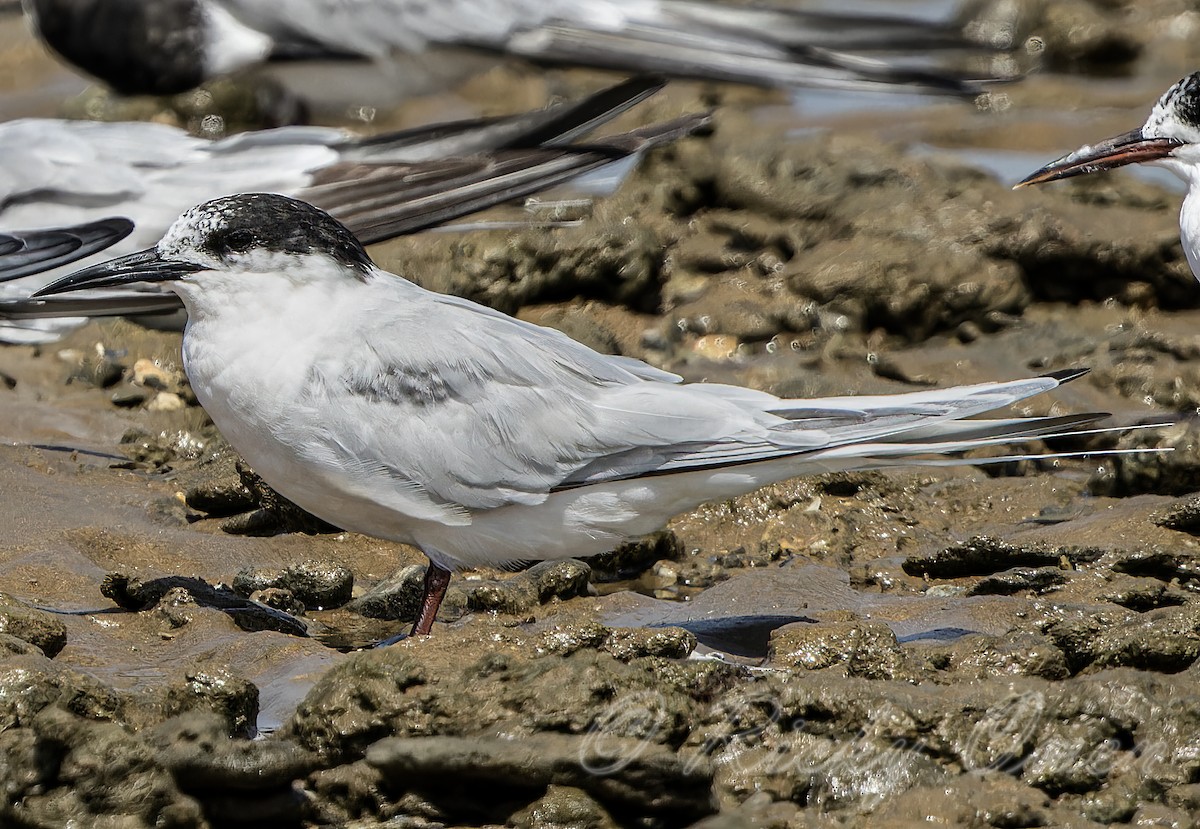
(484, 410)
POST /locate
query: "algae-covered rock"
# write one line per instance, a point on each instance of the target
(857, 648)
(37, 627)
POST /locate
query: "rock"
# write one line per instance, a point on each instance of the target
(541, 583)
(100, 368)
(133, 593)
(856, 648)
(31, 683)
(230, 700)
(104, 776)
(982, 556)
(1142, 594)
(634, 557)
(1183, 515)
(1023, 654)
(198, 751)
(626, 776)
(150, 374)
(315, 584)
(1020, 580)
(360, 700)
(623, 643)
(166, 401)
(563, 807)
(37, 627)
(267, 513)
(279, 598)
(1165, 640)
(396, 597)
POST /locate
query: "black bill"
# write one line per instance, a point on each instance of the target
(143, 266)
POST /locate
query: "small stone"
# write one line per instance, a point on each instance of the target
(232, 699)
(166, 401)
(279, 598)
(396, 597)
(150, 374)
(560, 807)
(318, 584)
(128, 398)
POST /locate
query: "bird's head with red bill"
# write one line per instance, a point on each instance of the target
(1170, 138)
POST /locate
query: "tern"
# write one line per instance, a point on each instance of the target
(1170, 138)
(58, 171)
(170, 46)
(480, 439)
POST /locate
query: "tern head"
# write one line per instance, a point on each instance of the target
(1170, 138)
(236, 241)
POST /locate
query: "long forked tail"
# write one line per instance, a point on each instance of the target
(942, 439)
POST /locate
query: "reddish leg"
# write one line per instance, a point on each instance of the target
(437, 579)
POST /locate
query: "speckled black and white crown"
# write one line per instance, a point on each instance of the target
(1177, 113)
(230, 226)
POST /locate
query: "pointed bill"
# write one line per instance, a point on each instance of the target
(143, 266)
(1131, 147)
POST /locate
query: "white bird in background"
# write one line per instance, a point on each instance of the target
(427, 419)
(1170, 138)
(26, 252)
(170, 46)
(56, 171)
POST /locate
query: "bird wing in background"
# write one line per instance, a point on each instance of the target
(381, 186)
(765, 47)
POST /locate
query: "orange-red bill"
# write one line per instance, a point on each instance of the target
(1127, 148)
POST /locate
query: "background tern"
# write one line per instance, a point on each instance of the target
(170, 46)
(56, 171)
(481, 439)
(1170, 138)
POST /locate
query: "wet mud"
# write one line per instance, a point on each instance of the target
(1015, 646)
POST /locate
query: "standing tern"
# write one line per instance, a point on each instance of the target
(170, 46)
(427, 419)
(1170, 138)
(55, 171)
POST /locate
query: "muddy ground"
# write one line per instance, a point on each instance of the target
(1012, 647)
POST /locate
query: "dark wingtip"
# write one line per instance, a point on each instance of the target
(1066, 375)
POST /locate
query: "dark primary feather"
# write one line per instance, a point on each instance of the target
(378, 202)
(25, 252)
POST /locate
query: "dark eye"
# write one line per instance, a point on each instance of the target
(239, 240)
